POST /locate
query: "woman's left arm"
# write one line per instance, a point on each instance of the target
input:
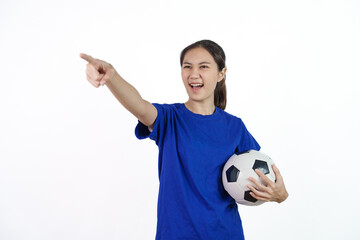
(272, 191)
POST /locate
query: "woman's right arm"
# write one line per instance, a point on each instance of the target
(101, 73)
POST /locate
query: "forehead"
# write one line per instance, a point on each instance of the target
(198, 55)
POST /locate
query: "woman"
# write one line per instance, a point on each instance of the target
(195, 139)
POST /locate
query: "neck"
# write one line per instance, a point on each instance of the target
(200, 108)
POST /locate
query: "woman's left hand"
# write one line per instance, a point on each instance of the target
(272, 191)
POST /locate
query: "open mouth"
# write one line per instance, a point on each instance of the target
(196, 85)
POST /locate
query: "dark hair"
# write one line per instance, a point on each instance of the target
(219, 56)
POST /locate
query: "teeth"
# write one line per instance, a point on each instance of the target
(196, 84)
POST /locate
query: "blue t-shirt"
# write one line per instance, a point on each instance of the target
(193, 148)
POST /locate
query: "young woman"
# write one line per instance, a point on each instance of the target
(195, 139)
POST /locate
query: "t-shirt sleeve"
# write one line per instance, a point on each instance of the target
(247, 141)
(142, 131)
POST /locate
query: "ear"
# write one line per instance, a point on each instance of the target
(222, 74)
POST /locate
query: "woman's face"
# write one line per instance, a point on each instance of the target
(200, 75)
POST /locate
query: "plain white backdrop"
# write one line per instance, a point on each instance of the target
(70, 164)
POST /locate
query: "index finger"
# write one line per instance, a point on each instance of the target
(263, 177)
(87, 58)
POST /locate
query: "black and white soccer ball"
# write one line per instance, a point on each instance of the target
(239, 168)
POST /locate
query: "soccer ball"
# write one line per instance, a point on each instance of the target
(239, 168)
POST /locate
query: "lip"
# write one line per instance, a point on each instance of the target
(196, 88)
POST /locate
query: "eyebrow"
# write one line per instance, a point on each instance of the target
(199, 63)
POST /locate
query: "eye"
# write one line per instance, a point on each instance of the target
(204, 66)
(186, 66)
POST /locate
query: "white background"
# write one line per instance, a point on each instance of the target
(70, 165)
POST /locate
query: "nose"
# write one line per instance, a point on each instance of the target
(194, 74)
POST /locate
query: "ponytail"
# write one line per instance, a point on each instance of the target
(220, 94)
